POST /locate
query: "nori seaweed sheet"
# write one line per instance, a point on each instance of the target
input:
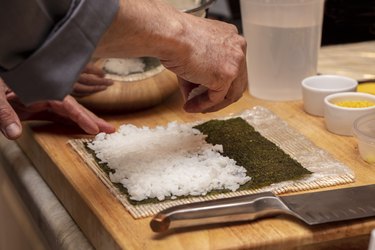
(264, 161)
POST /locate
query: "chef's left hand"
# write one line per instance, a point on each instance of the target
(12, 111)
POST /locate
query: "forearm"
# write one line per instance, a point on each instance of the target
(142, 28)
(198, 50)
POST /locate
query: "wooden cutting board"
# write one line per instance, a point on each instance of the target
(108, 225)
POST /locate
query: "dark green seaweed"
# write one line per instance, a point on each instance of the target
(264, 161)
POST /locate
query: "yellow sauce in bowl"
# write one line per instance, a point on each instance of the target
(355, 104)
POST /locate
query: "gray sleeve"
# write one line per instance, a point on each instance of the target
(49, 72)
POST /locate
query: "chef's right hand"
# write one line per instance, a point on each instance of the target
(211, 54)
(200, 51)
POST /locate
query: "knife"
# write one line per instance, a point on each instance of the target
(312, 208)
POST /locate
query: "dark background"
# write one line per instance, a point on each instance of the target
(345, 21)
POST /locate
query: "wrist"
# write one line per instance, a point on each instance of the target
(143, 28)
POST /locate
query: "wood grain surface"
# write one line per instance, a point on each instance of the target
(109, 226)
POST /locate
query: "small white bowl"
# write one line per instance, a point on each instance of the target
(338, 119)
(364, 131)
(316, 88)
(371, 244)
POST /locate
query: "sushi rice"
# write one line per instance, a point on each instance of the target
(166, 162)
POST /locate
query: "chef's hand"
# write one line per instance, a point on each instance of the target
(66, 111)
(200, 51)
(90, 81)
(213, 55)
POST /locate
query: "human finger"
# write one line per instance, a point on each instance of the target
(207, 99)
(102, 124)
(228, 100)
(235, 91)
(84, 118)
(94, 80)
(186, 88)
(10, 124)
(92, 69)
(205, 103)
(80, 90)
(69, 109)
(88, 84)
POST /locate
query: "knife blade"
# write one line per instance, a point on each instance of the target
(312, 208)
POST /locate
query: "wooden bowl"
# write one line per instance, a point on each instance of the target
(133, 92)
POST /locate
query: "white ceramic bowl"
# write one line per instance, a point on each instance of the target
(339, 120)
(364, 131)
(371, 244)
(316, 88)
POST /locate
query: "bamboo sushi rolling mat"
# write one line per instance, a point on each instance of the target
(326, 171)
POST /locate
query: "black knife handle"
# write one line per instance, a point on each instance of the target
(242, 208)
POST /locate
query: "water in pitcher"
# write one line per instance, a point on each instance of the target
(280, 56)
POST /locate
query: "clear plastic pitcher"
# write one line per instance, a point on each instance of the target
(283, 39)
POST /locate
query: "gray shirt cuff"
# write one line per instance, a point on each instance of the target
(51, 71)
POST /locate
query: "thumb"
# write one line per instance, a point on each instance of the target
(10, 124)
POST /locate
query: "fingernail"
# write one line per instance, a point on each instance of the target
(189, 109)
(12, 130)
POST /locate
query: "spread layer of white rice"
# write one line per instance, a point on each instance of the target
(166, 161)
